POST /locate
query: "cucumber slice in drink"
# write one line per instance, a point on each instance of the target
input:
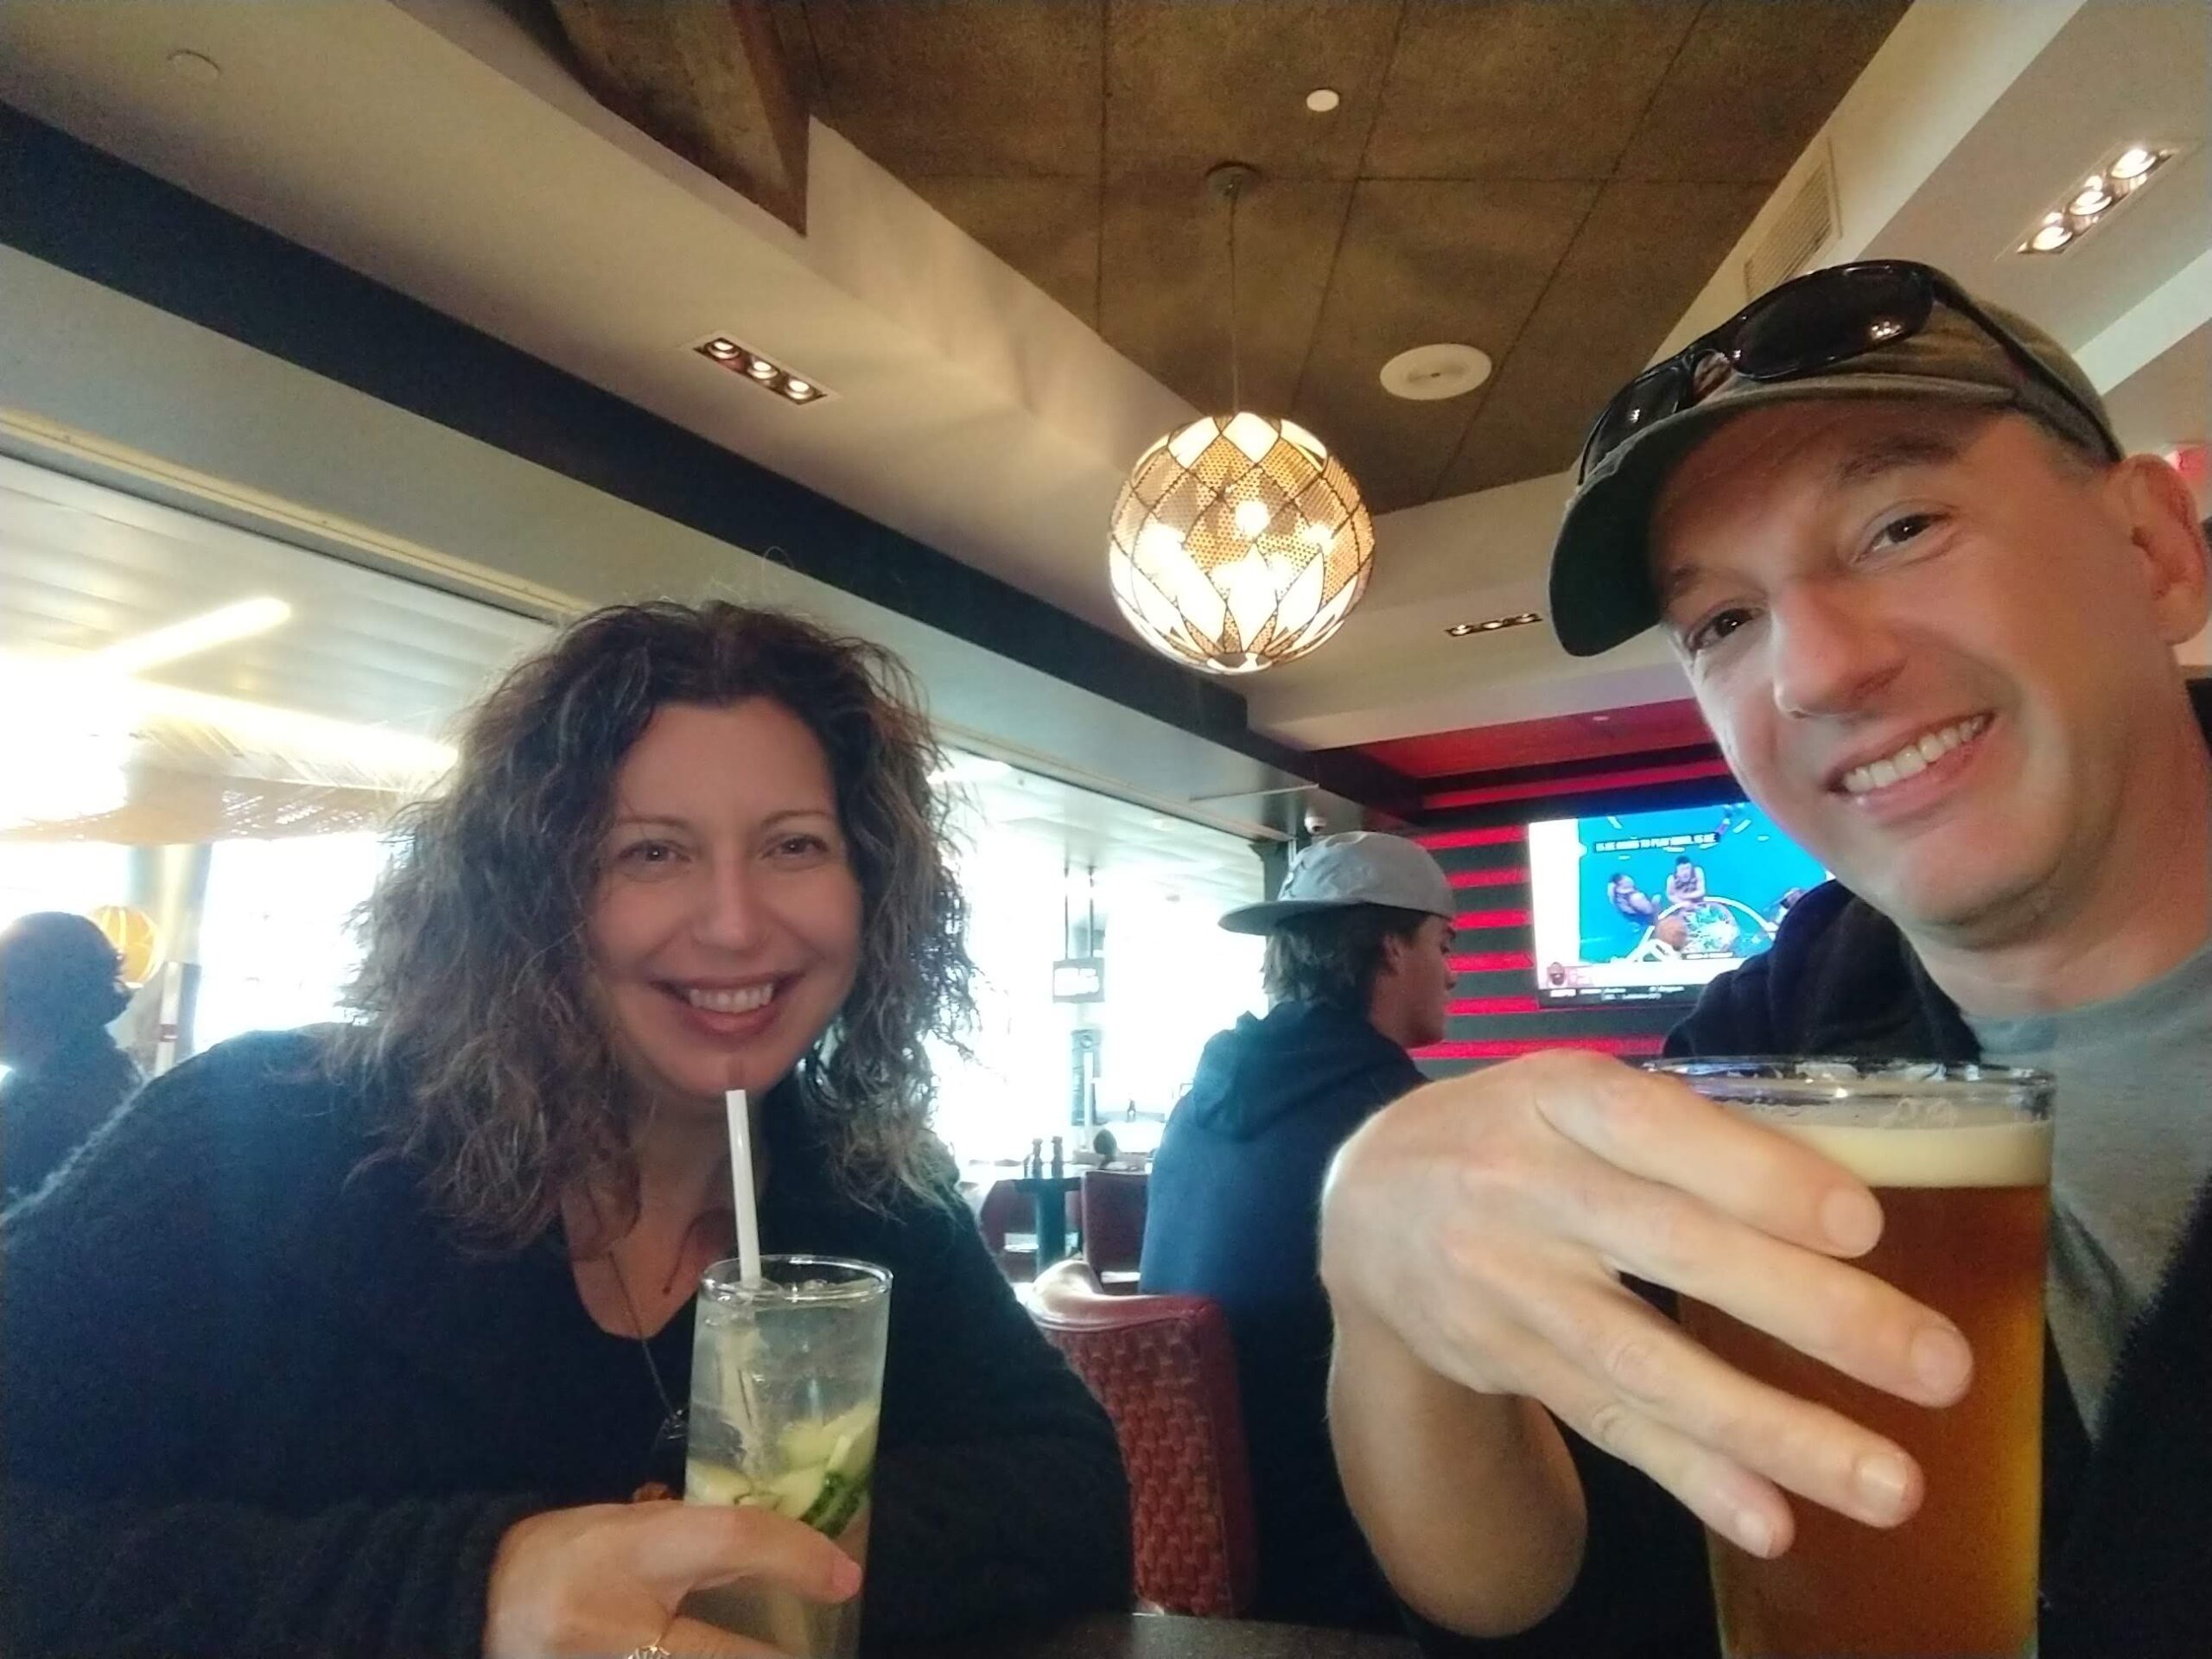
(854, 1454)
(819, 1440)
(710, 1482)
(797, 1491)
(840, 1502)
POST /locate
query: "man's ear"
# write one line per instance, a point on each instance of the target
(1394, 954)
(2164, 525)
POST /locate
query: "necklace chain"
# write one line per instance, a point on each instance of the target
(672, 1424)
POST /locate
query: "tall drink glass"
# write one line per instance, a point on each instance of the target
(1960, 1158)
(786, 1381)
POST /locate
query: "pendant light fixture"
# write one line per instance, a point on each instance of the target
(1239, 540)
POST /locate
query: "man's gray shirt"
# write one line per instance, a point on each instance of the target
(2133, 1146)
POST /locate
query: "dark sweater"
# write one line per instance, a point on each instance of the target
(256, 1401)
(50, 1108)
(1232, 1213)
(2127, 1525)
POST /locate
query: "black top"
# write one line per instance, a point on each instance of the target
(2127, 1524)
(50, 1108)
(257, 1399)
(1154, 1635)
(1231, 1213)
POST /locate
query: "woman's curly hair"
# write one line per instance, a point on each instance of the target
(474, 990)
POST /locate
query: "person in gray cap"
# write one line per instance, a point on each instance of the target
(1357, 972)
(1929, 609)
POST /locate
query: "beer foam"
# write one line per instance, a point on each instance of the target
(2013, 1152)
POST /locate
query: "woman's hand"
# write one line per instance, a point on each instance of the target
(607, 1579)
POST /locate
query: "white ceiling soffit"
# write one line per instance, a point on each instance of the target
(973, 413)
(98, 385)
(1968, 120)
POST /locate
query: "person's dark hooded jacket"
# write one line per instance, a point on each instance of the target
(1233, 1213)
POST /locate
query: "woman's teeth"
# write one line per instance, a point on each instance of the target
(1914, 757)
(745, 1001)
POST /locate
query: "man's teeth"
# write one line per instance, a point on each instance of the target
(739, 1001)
(1917, 756)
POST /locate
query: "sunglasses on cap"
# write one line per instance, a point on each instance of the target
(1810, 323)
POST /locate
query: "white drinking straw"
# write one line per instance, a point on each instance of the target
(741, 1177)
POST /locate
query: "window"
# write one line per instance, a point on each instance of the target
(276, 939)
(1041, 862)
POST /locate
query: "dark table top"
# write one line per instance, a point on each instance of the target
(1149, 1635)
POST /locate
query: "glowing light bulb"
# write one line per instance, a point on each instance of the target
(2093, 198)
(1251, 517)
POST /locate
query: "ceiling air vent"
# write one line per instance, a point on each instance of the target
(1801, 230)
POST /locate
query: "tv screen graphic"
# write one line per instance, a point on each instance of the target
(1646, 905)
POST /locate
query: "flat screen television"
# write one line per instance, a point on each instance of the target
(1650, 905)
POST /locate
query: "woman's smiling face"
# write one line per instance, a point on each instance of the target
(725, 926)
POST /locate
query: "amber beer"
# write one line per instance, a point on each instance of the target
(1960, 1159)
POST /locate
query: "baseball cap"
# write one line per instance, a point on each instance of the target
(1601, 589)
(1364, 867)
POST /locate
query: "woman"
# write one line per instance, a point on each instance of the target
(60, 986)
(357, 1340)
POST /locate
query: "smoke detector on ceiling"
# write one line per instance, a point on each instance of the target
(1428, 373)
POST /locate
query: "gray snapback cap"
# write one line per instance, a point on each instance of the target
(1601, 587)
(1365, 867)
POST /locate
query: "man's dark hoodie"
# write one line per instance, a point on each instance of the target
(1234, 1207)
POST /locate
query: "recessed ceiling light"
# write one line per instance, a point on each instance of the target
(2134, 162)
(725, 351)
(195, 66)
(2091, 202)
(1322, 99)
(1427, 373)
(2094, 197)
(1519, 619)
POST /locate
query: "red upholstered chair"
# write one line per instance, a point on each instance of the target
(1166, 1371)
(1113, 1223)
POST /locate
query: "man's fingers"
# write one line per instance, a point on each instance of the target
(1645, 1371)
(1836, 1313)
(1727, 1497)
(687, 1638)
(692, 1546)
(1658, 1127)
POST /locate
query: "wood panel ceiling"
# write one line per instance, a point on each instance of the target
(1552, 180)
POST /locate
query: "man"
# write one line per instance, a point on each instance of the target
(60, 987)
(1629, 899)
(1930, 611)
(1687, 885)
(1357, 972)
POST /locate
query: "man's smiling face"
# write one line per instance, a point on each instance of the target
(1923, 638)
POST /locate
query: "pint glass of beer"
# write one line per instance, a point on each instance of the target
(1960, 1158)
